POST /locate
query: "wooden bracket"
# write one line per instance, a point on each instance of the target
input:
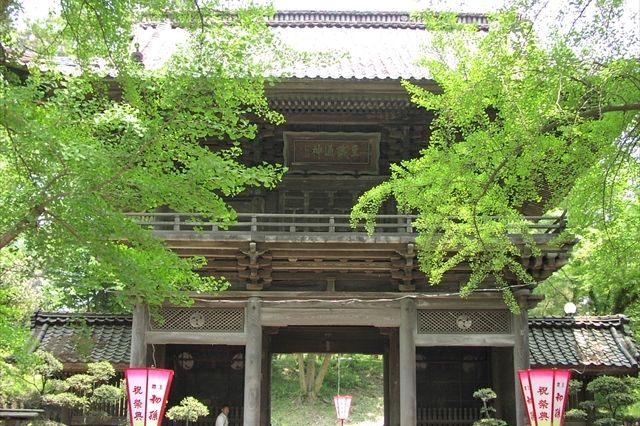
(255, 267)
(403, 269)
(331, 284)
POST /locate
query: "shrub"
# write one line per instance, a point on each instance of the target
(189, 410)
(486, 395)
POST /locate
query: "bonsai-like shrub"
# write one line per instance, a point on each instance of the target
(486, 395)
(83, 391)
(575, 414)
(612, 396)
(189, 410)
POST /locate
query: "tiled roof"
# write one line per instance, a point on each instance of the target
(76, 339)
(589, 343)
(364, 45)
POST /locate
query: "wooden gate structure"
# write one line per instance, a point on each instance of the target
(303, 280)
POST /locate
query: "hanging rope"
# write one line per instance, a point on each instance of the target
(338, 374)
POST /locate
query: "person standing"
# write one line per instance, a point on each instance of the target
(223, 417)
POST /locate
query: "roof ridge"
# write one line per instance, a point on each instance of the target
(348, 19)
(593, 320)
(361, 19)
(67, 317)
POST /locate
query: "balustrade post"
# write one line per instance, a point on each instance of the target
(332, 224)
(254, 223)
(409, 226)
(176, 222)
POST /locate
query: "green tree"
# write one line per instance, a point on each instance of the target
(85, 391)
(79, 149)
(612, 397)
(26, 381)
(18, 300)
(522, 124)
(604, 274)
(189, 410)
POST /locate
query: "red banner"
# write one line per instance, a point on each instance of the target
(545, 395)
(147, 391)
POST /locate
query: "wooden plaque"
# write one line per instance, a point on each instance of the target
(332, 152)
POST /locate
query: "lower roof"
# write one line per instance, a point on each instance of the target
(586, 344)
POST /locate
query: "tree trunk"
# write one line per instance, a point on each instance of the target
(311, 374)
(310, 379)
(302, 376)
(321, 374)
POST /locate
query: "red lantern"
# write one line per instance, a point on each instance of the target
(545, 395)
(147, 390)
(342, 403)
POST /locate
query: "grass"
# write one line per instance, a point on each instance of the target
(360, 376)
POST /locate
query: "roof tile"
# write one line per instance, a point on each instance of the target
(602, 342)
(81, 338)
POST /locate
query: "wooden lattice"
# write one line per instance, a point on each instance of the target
(464, 322)
(199, 319)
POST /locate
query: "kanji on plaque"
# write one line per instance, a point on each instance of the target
(545, 395)
(147, 391)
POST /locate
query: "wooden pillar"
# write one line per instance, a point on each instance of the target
(385, 381)
(253, 363)
(408, 318)
(520, 354)
(394, 379)
(502, 383)
(138, 357)
(265, 387)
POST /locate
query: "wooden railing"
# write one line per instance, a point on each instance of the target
(270, 223)
(102, 414)
(116, 414)
(447, 416)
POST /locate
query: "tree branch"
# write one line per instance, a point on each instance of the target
(200, 15)
(66, 226)
(32, 214)
(595, 113)
(23, 224)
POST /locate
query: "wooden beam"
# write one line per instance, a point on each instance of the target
(195, 338)
(408, 324)
(465, 340)
(253, 363)
(374, 316)
(480, 301)
(373, 347)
